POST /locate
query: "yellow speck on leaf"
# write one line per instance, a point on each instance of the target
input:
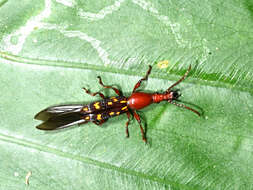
(163, 64)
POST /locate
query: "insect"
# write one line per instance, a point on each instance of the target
(98, 112)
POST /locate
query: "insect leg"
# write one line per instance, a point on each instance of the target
(137, 117)
(100, 122)
(137, 85)
(117, 91)
(94, 94)
(180, 80)
(127, 123)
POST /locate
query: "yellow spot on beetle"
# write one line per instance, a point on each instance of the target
(111, 113)
(163, 64)
(96, 105)
(124, 108)
(123, 101)
(109, 103)
(87, 118)
(85, 109)
(118, 113)
(115, 99)
(99, 117)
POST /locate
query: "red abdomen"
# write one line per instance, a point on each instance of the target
(139, 100)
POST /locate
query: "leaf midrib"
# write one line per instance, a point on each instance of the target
(89, 161)
(173, 77)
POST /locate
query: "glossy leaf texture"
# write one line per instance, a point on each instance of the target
(50, 49)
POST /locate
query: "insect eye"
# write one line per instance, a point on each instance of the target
(175, 95)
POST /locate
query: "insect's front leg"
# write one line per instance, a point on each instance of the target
(137, 117)
(94, 94)
(180, 80)
(137, 85)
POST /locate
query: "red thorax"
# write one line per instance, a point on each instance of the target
(139, 100)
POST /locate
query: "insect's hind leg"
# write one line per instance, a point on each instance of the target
(117, 91)
(94, 94)
(100, 122)
(127, 123)
(137, 85)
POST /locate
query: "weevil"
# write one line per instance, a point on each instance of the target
(98, 112)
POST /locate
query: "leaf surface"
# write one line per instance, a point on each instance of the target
(49, 50)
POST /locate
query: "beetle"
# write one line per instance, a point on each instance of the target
(98, 112)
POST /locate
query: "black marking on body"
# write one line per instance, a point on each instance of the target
(105, 109)
(105, 104)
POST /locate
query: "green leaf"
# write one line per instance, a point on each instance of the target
(49, 50)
